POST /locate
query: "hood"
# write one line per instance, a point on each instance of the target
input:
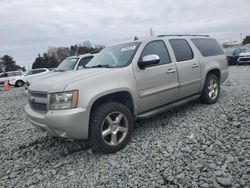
(42, 76)
(244, 54)
(57, 81)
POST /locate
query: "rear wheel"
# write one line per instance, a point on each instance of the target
(211, 89)
(111, 127)
(19, 83)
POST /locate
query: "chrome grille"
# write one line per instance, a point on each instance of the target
(245, 59)
(38, 100)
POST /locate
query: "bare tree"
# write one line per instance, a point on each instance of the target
(59, 53)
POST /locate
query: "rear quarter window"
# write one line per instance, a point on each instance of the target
(208, 47)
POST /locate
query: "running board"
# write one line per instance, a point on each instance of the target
(164, 108)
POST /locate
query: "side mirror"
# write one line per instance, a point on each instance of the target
(149, 60)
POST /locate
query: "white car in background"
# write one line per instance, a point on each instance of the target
(74, 63)
(19, 81)
(7, 76)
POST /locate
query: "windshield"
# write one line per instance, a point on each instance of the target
(246, 50)
(27, 73)
(3, 75)
(114, 56)
(67, 64)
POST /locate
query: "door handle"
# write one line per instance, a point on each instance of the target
(195, 65)
(170, 71)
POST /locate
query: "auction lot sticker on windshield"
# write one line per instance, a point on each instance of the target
(128, 48)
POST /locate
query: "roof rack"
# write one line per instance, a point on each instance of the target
(183, 35)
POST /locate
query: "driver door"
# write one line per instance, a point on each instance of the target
(157, 85)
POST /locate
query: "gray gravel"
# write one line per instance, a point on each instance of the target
(195, 145)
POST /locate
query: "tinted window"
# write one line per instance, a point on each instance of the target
(32, 72)
(84, 61)
(182, 50)
(38, 71)
(18, 73)
(208, 47)
(10, 74)
(158, 48)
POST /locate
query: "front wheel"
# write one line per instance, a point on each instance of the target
(211, 89)
(111, 127)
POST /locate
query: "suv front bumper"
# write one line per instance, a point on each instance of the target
(71, 123)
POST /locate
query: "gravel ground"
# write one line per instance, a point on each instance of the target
(195, 145)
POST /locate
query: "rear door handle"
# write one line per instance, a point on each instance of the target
(195, 65)
(170, 71)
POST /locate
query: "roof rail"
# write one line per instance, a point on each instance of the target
(183, 35)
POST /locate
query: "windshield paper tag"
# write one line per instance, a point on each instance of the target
(128, 48)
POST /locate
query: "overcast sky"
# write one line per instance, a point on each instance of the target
(29, 27)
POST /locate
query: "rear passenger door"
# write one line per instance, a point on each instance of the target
(188, 68)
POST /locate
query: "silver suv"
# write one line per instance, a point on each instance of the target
(129, 81)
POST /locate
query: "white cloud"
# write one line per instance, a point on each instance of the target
(28, 27)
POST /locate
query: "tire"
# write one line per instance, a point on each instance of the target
(211, 90)
(19, 83)
(111, 119)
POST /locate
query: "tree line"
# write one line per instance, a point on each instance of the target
(55, 55)
(52, 58)
(7, 63)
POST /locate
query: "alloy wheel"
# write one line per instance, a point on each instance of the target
(213, 89)
(114, 128)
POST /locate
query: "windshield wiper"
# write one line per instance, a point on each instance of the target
(100, 66)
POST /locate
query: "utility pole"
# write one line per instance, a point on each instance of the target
(241, 34)
(151, 32)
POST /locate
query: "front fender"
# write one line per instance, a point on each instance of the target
(111, 91)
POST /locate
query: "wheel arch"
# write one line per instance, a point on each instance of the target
(123, 96)
(19, 80)
(216, 72)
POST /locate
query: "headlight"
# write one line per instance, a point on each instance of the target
(64, 100)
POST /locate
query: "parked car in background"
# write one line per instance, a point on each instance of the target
(233, 55)
(74, 63)
(244, 57)
(20, 80)
(7, 76)
(125, 82)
